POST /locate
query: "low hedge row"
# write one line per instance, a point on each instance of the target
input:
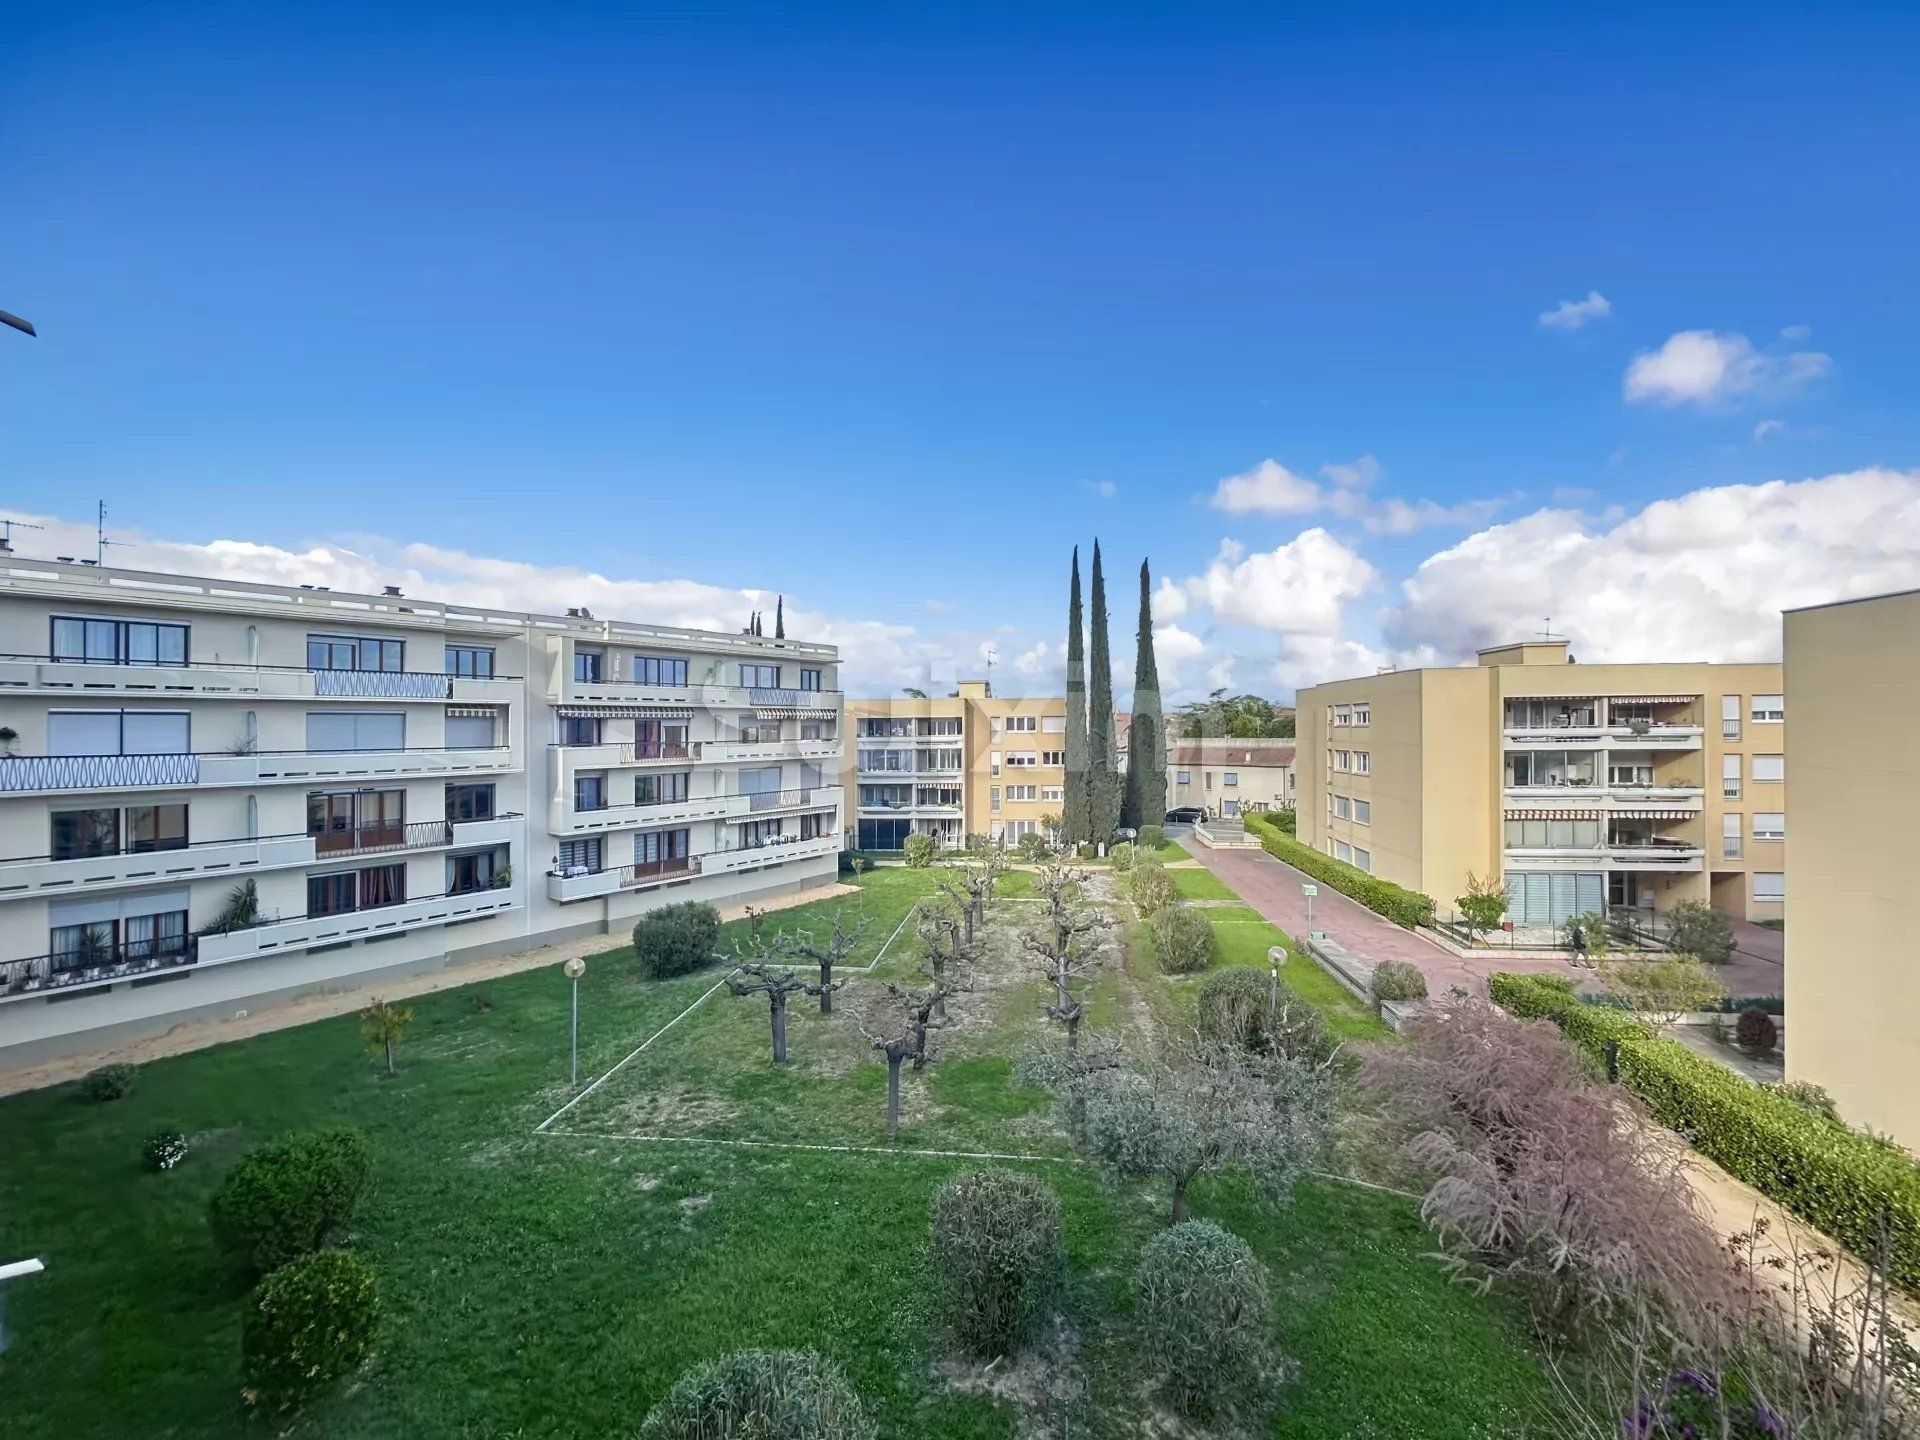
(1403, 907)
(1838, 1181)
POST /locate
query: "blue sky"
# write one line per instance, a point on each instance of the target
(887, 308)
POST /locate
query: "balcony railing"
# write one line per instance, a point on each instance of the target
(658, 872)
(784, 799)
(634, 754)
(24, 774)
(73, 673)
(280, 933)
(101, 965)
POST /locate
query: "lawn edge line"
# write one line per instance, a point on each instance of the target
(1364, 1184)
(801, 1145)
(608, 1075)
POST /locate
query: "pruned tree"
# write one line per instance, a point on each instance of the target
(840, 943)
(1069, 943)
(971, 885)
(776, 984)
(898, 1025)
(1659, 992)
(1202, 1108)
(946, 947)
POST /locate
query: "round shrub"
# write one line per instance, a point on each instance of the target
(676, 939)
(1182, 939)
(164, 1149)
(1032, 848)
(109, 1082)
(761, 1395)
(1755, 1031)
(1236, 1007)
(1151, 837)
(1121, 854)
(1150, 886)
(1203, 1316)
(307, 1324)
(285, 1197)
(919, 851)
(1398, 980)
(996, 1242)
(1697, 929)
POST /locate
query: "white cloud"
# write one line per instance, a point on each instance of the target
(1356, 474)
(1573, 314)
(1169, 601)
(1403, 517)
(1269, 488)
(1796, 333)
(1768, 427)
(1310, 659)
(1032, 662)
(1702, 576)
(1299, 587)
(937, 607)
(1174, 650)
(1699, 367)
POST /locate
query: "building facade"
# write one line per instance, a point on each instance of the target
(1852, 989)
(1229, 777)
(1587, 787)
(971, 763)
(217, 793)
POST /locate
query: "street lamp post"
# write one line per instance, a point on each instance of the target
(17, 1270)
(25, 327)
(1309, 891)
(1274, 957)
(573, 970)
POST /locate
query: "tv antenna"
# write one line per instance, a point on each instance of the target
(1546, 630)
(993, 657)
(100, 540)
(6, 534)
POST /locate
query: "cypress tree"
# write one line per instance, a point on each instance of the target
(1074, 826)
(1146, 798)
(780, 618)
(1103, 776)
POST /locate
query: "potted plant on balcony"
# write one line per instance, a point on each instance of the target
(7, 736)
(503, 877)
(241, 910)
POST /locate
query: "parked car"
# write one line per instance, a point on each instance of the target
(1186, 815)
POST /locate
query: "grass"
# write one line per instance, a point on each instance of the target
(543, 1285)
(1198, 883)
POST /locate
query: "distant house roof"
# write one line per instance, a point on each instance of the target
(1255, 754)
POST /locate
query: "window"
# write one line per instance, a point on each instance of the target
(156, 827)
(1363, 859)
(355, 652)
(1363, 714)
(469, 732)
(1769, 709)
(1183, 777)
(117, 732)
(356, 819)
(1206, 777)
(1054, 724)
(1053, 759)
(659, 670)
(993, 798)
(337, 730)
(1229, 807)
(1342, 761)
(1342, 807)
(473, 662)
(1730, 776)
(658, 739)
(1769, 885)
(589, 792)
(1729, 717)
(1343, 851)
(756, 833)
(662, 789)
(1022, 759)
(760, 677)
(663, 847)
(1023, 792)
(1053, 794)
(1362, 762)
(477, 870)
(813, 730)
(993, 762)
(809, 679)
(584, 856)
(469, 802)
(349, 890)
(1769, 768)
(1343, 714)
(80, 833)
(1769, 825)
(760, 732)
(1022, 724)
(1553, 834)
(1363, 812)
(814, 826)
(1231, 779)
(765, 780)
(580, 730)
(118, 642)
(886, 834)
(1730, 835)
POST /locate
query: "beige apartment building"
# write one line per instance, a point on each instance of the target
(971, 763)
(1852, 987)
(399, 783)
(1230, 777)
(1587, 787)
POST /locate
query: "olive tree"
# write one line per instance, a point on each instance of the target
(1659, 992)
(1069, 942)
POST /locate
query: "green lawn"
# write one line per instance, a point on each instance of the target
(554, 1285)
(1198, 883)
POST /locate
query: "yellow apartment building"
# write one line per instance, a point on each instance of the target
(971, 763)
(1852, 988)
(1587, 787)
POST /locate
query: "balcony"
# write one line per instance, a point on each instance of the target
(1664, 738)
(770, 801)
(275, 937)
(1604, 797)
(644, 875)
(1667, 859)
(44, 876)
(775, 852)
(751, 752)
(564, 819)
(420, 835)
(61, 774)
(574, 691)
(215, 679)
(93, 969)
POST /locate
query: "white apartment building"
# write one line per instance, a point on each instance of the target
(402, 784)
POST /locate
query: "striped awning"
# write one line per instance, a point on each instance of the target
(624, 712)
(1668, 812)
(474, 712)
(793, 712)
(1553, 814)
(1651, 699)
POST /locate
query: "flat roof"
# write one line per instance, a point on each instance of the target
(1851, 600)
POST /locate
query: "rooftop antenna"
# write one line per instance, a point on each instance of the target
(6, 534)
(1546, 630)
(993, 658)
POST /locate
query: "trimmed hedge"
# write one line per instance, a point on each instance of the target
(676, 939)
(1836, 1180)
(1403, 907)
(285, 1197)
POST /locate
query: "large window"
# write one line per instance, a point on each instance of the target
(1769, 768)
(580, 857)
(1555, 898)
(476, 870)
(473, 662)
(1769, 885)
(349, 890)
(1729, 717)
(469, 802)
(1553, 834)
(342, 730)
(763, 781)
(580, 729)
(1769, 709)
(589, 666)
(662, 847)
(118, 642)
(756, 833)
(117, 732)
(589, 792)
(660, 739)
(132, 830)
(809, 679)
(884, 834)
(760, 677)
(1730, 776)
(355, 652)
(1023, 792)
(659, 670)
(1769, 825)
(78, 834)
(356, 819)
(470, 732)
(659, 789)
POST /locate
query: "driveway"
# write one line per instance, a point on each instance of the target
(1273, 888)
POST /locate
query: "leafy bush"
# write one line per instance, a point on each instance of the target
(1483, 902)
(677, 939)
(1151, 837)
(996, 1241)
(1403, 907)
(918, 851)
(109, 1082)
(1697, 929)
(1755, 1031)
(285, 1197)
(1238, 1006)
(1202, 1311)
(1591, 934)
(1121, 854)
(308, 1324)
(1398, 980)
(1660, 992)
(1810, 1097)
(1150, 886)
(1835, 1180)
(164, 1149)
(761, 1395)
(1182, 939)
(1032, 848)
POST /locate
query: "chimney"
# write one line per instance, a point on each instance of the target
(394, 590)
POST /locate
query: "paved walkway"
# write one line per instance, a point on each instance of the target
(1273, 888)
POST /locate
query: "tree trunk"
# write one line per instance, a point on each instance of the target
(1073, 1034)
(893, 1096)
(779, 1029)
(390, 1057)
(826, 989)
(1179, 1202)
